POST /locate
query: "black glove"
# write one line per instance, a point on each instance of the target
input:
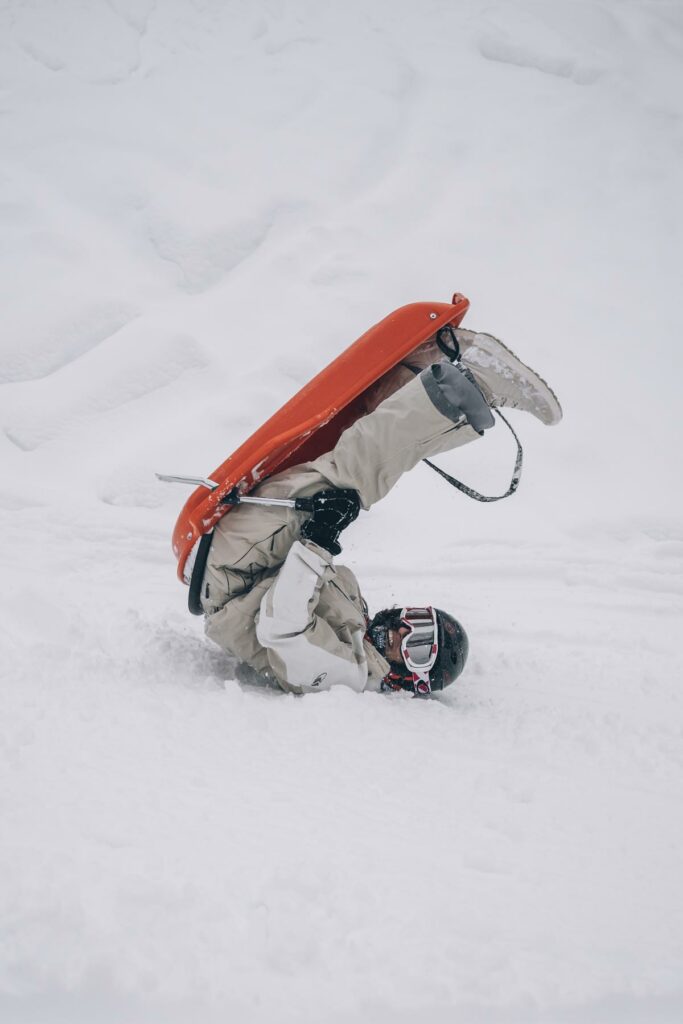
(332, 512)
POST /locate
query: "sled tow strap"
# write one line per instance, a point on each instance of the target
(469, 491)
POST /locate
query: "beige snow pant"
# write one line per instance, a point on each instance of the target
(251, 542)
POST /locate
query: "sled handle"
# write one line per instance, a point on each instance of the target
(300, 504)
(233, 497)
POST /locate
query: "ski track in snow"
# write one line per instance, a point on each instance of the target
(200, 205)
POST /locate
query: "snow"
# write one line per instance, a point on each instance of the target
(201, 204)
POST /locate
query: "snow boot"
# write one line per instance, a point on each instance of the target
(507, 382)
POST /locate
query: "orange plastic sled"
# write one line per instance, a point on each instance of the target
(310, 423)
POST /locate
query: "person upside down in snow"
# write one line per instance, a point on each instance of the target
(271, 593)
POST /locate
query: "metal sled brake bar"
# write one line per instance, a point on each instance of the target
(198, 481)
(233, 497)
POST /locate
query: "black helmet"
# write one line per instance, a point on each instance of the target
(453, 648)
(434, 648)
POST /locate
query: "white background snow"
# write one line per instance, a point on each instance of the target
(201, 203)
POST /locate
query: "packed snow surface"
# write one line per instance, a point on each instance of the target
(202, 203)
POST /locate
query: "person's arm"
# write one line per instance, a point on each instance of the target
(304, 651)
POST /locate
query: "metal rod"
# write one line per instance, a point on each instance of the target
(233, 498)
(198, 481)
(281, 502)
(300, 504)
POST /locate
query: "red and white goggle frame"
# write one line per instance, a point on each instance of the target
(420, 645)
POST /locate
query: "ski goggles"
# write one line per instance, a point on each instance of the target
(420, 645)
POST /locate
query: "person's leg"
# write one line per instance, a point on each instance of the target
(251, 542)
(506, 381)
(423, 418)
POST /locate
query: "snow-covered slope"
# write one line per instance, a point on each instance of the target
(201, 203)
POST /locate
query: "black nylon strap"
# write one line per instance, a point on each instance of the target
(443, 336)
(194, 596)
(469, 491)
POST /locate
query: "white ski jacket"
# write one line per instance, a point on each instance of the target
(312, 623)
